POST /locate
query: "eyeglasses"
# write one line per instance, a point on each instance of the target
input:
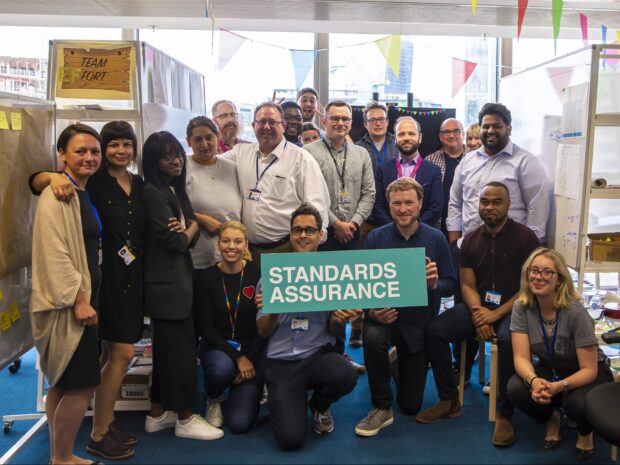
(170, 157)
(545, 272)
(310, 231)
(233, 115)
(376, 120)
(454, 132)
(267, 122)
(337, 119)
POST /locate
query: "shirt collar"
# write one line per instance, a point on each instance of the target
(509, 149)
(277, 152)
(415, 234)
(504, 229)
(331, 145)
(411, 162)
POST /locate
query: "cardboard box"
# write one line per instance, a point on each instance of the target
(137, 382)
(605, 247)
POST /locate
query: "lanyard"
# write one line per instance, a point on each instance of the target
(258, 178)
(344, 162)
(383, 152)
(550, 350)
(399, 168)
(233, 320)
(92, 206)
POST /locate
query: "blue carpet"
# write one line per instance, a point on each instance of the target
(465, 440)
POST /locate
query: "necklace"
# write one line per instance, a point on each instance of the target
(549, 326)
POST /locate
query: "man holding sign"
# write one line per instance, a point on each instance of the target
(403, 327)
(300, 353)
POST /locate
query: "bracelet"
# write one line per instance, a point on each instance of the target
(565, 384)
(532, 380)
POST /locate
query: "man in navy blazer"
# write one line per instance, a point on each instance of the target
(409, 162)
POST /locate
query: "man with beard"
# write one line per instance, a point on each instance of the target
(275, 177)
(308, 100)
(409, 163)
(226, 117)
(491, 259)
(292, 116)
(498, 160)
(403, 327)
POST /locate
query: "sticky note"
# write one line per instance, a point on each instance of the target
(13, 312)
(5, 321)
(16, 121)
(1, 295)
(4, 124)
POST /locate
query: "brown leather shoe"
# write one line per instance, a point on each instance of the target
(439, 411)
(503, 434)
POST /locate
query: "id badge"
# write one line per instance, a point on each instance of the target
(254, 194)
(344, 198)
(493, 297)
(234, 344)
(126, 254)
(299, 324)
(99, 255)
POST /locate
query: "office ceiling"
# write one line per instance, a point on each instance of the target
(429, 17)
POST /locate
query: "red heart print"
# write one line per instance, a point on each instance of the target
(248, 291)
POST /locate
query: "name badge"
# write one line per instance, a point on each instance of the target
(344, 198)
(493, 297)
(234, 344)
(126, 254)
(299, 324)
(254, 194)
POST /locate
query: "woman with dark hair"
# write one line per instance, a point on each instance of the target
(171, 231)
(549, 321)
(66, 248)
(117, 194)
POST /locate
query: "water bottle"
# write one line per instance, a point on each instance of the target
(595, 302)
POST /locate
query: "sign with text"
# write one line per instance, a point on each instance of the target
(95, 72)
(319, 281)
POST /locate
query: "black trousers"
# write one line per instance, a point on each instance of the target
(573, 401)
(603, 409)
(454, 326)
(378, 338)
(288, 382)
(332, 244)
(174, 364)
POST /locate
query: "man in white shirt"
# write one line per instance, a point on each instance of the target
(275, 177)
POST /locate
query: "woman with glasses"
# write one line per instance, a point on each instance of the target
(549, 322)
(168, 284)
(232, 355)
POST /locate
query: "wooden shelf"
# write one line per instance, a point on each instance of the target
(93, 114)
(606, 193)
(601, 267)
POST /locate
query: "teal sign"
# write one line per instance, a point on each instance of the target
(319, 281)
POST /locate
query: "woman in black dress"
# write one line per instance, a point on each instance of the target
(168, 290)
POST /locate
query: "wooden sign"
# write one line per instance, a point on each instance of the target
(95, 72)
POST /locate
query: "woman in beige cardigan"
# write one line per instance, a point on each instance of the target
(65, 281)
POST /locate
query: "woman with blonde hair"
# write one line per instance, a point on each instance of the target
(232, 351)
(472, 139)
(549, 321)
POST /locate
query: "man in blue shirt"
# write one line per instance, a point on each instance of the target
(300, 353)
(404, 327)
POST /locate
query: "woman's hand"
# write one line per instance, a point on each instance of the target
(175, 225)
(342, 316)
(258, 300)
(85, 314)
(541, 391)
(245, 368)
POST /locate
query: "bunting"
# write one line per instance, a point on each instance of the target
(390, 49)
(474, 4)
(583, 19)
(560, 78)
(303, 60)
(461, 71)
(556, 6)
(522, 8)
(229, 46)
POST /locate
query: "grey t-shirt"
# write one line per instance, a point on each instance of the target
(575, 330)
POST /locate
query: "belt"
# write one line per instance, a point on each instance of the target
(271, 245)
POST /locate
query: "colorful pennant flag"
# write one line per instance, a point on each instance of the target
(303, 60)
(230, 44)
(522, 8)
(583, 19)
(390, 49)
(461, 71)
(474, 4)
(556, 11)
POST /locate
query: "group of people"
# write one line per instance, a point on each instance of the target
(183, 247)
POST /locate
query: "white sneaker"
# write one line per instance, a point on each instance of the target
(166, 420)
(196, 427)
(486, 389)
(213, 414)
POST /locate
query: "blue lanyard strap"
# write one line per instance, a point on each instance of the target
(92, 206)
(383, 152)
(258, 178)
(550, 350)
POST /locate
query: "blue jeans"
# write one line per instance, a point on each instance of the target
(240, 409)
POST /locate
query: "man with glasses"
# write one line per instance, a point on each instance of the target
(378, 141)
(275, 177)
(491, 259)
(300, 353)
(293, 119)
(226, 117)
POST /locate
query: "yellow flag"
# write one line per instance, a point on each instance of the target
(390, 49)
(618, 37)
(473, 7)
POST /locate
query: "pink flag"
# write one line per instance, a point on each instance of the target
(584, 28)
(461, 71)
